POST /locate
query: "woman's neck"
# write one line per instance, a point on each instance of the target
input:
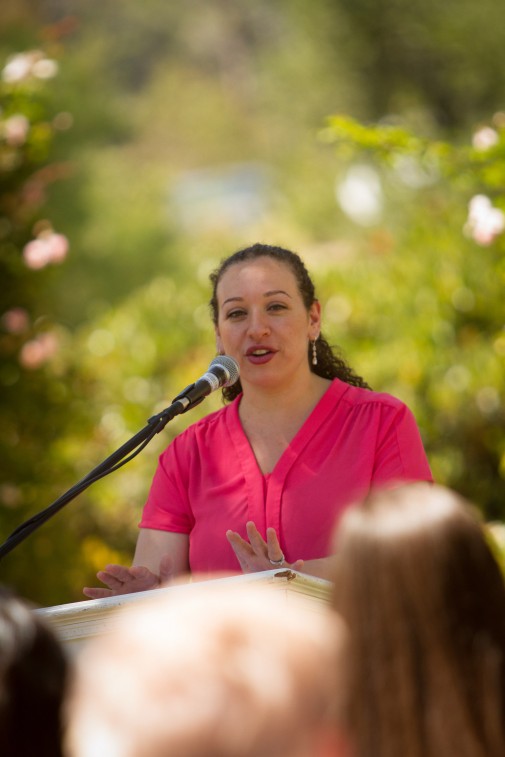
(283, 402)
(271, 420)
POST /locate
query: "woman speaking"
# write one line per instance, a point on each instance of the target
(261, 482)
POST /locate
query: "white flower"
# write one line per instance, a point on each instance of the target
(360, 195)
(17, 68)
(21, 66)
(485, 138)
(484, 221)
(45, 68)
(15, 130)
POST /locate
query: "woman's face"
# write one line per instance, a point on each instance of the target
(264, 324)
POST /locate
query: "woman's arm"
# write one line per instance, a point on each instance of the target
(152, 545)
(159, 557)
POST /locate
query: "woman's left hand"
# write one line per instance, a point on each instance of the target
(257, 554)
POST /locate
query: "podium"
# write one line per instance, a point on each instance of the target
(77, 622)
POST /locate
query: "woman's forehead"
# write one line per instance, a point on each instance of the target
(260, 272)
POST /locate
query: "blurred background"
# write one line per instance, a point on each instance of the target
(142, 142)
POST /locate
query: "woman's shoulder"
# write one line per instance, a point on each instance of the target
(358, 397)
(213, 423)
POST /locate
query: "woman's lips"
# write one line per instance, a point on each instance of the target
(259, 355)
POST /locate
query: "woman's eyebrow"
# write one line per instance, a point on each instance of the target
(232, 299)
(266, 294)
(277, 291)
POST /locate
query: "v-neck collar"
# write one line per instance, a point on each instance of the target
(264, 495)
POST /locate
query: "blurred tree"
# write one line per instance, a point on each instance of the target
(431, 328)
(440, 64)
(35, 382)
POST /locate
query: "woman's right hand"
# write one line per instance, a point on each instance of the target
(122, 580)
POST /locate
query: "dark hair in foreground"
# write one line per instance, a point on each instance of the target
(424, 601)
(33, 680)
(329, 365)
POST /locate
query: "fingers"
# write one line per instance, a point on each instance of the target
(235, 539)
(95, 593)
(137, 573)
(119, 580)
(247, 551)
(113, 582)
(242, 549)
(239, 544)
(117, 574)
(258, 554)
(255, 539)
(275, 552)
(109, 580)
(272, 539)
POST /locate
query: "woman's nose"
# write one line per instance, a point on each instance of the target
(258, 325)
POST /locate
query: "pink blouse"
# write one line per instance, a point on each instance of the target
(208, 480)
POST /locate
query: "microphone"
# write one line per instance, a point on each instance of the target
(223, 371)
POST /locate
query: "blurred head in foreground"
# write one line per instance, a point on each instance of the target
(424, 602)
(207, 672)
(33, 679)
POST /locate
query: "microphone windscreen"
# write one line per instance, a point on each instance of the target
(230, 365)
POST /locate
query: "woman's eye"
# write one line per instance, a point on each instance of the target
(277, 306)
(235, 314)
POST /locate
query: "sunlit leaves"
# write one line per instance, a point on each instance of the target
(431, 325)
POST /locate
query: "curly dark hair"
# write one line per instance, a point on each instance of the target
(329, 364)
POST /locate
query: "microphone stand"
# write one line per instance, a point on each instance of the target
(155, 424)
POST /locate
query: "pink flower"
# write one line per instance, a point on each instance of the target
(15, 130)
(36, 254)
(16, 321)
(38, 351)
(484, 222)
(59, 247)
(47, 248)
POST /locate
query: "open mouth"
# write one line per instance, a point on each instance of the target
(259, 354)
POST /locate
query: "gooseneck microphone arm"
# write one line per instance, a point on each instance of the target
(223, 371)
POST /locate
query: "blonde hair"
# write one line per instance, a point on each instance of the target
(207, 671)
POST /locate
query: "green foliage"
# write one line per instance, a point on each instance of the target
(37, 380)
(435, 64)
(496, 531)
(431, 328)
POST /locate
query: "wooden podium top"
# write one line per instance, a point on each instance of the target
(74, 623)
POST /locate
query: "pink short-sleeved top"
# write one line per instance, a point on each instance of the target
(208, 480)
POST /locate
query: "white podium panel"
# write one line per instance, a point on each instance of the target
(76, 622)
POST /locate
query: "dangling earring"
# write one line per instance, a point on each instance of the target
(314, 352)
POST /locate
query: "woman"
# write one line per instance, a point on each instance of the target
(424, 602)
(272, 470)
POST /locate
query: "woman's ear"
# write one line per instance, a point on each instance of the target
(219, 345)
(315, 320)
